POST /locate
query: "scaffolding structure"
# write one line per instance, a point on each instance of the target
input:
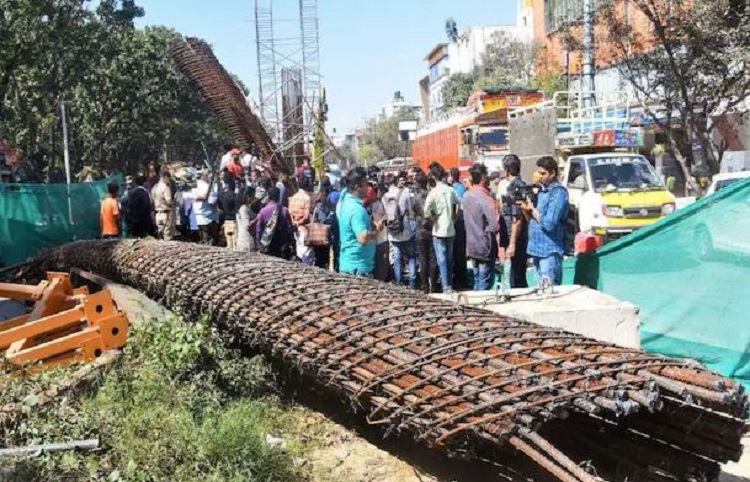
(289, 81)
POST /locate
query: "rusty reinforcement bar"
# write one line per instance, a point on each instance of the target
(197, 62)
(455, 378)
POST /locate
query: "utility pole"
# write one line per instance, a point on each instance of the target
(589, 53)
(66, 148)
(66, 157)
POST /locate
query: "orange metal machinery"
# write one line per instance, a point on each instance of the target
(66, 325)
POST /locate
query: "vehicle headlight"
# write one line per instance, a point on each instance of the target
(612, 211)
(667, 209)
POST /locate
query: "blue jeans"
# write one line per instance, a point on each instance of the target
(407, 250)
(549, 267)
(484, 274)
(444, 255)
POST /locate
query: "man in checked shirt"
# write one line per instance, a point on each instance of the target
(547, 223)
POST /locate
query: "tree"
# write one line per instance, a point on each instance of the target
(126, 102)
(547, 79)
(381, 139)
(457, 90)
(507, 62)
(691, 60)
(346, 156)
(451, 30)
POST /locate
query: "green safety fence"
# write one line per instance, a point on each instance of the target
(689, 274)
(34, 217)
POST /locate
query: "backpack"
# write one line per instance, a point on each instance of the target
(393, 215)
(269, 230)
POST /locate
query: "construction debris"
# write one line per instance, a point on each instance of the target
(454, 378)
(197, 62)
(37, 450)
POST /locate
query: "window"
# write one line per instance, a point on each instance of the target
(623, 174)
(439, 69)
(434, 72)
(493, 138)
(577, 174)
(559, 13)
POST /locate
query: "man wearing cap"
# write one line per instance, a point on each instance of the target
(164, 207)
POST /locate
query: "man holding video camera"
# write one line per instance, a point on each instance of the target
(516, 235)
(547, 223)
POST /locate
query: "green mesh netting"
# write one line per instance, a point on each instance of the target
(689, 275)
(39, 216)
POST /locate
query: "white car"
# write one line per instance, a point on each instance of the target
(720, 181)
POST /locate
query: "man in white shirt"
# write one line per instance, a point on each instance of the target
(188, 200)
(229, 152)
(206, 212)
(441, 206)
(247, 160)
(399, 214)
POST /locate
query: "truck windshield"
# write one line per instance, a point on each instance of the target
(623, 173)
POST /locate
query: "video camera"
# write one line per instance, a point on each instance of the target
(518, 193)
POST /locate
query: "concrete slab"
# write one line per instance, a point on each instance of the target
(573, 308)
(137, 306)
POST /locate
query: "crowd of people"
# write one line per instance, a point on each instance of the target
(426, 230)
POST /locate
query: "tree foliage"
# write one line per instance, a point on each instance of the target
(126, 103)
(507, 62)
(380, 139)
(457, 90)
(451, 30)
(689, 64)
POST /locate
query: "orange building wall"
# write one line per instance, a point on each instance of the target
(553, 53)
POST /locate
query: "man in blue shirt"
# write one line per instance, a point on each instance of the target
(454, 180)
(357, 235)
(547, 223)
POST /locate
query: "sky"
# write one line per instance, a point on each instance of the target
(369, 49)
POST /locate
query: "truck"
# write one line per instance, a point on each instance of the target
(614, 189)
(477, 132)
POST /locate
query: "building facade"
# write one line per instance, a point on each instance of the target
(466, 54)
(397, 105)
(554, 20)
